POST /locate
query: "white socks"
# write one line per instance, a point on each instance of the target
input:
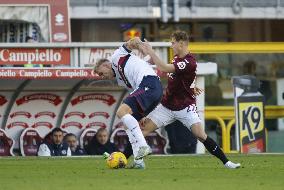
(134, 146)
(134, 134)
(132, 124)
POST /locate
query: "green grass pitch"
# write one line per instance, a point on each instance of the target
(163, 172)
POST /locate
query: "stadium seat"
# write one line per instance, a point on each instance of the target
(29, 142)
(6, 144)
(155, 140)
(119, 138)
(86, 136)
(157, 143)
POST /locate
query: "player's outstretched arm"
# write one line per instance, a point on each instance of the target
(146, 48)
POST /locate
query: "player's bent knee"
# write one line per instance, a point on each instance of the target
(148, 127)
(123, 110)
(146, 132)
(120, 113)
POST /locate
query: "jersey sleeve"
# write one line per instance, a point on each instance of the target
(119, 52)
(185, 66)
(43, 150)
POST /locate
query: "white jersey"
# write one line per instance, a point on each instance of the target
(129, 69)
(43, 150)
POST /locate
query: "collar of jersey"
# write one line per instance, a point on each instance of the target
(126, 49)
(113, 72)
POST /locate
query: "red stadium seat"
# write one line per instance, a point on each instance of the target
(157, 143)
(119, 138)
(155, 140)
(6, 144)
(29, 142)
(86, 136)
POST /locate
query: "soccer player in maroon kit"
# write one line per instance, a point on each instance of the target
(179, 101)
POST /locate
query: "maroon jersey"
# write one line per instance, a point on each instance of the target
(180, 91)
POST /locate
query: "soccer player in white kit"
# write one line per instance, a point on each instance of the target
(138, 76)
(179, 101)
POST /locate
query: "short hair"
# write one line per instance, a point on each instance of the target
(69, 135)
(99, 63)
(180, 35)
(101, 130)
(57, 129)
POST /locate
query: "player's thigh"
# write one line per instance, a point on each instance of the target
(161, 116)
(140, 102)
(188, 116)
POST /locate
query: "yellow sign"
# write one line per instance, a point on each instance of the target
(251, 127)
(251, 119)
(131, 33)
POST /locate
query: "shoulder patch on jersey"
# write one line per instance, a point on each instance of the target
(181, 65)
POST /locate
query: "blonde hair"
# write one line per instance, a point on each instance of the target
(99, 63)
(134, 43)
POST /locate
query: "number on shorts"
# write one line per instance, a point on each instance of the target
(191, 108)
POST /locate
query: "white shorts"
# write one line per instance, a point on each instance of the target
(163, 116)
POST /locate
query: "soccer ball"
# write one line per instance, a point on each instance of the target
(116, 160)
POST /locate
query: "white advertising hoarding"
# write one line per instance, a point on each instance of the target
(38, 110)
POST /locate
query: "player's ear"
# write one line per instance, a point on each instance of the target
(109, 65)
